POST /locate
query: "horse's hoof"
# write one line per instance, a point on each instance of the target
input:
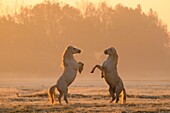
(17, 94)
(111, 101)
(92, 72)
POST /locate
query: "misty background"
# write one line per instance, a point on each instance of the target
(32, 40)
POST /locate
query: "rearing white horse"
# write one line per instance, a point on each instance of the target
(70, 71)
(109, 72)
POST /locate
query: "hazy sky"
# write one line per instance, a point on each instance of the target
(162, 7)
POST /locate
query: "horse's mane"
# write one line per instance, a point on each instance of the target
(63, 64)
(116, 59)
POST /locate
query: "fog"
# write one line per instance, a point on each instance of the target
(32, 41)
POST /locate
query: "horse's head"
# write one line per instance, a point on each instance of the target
(111, 51)
(73, 50)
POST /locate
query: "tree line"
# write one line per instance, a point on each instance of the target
(33, 39)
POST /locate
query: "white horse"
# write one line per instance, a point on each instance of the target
(109, 72)
(70, 71)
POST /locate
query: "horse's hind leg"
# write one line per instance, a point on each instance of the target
(117, 97)
(112, 91)
(118, 91)
(59, 97)
(65, 95)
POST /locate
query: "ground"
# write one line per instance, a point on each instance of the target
(84, 100)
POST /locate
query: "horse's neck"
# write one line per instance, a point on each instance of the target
(69, 61)
(110, 64)
(111, 60)
(68, 56)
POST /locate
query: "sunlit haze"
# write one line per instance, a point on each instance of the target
(75, 56)
(160, 6)
(33, 38)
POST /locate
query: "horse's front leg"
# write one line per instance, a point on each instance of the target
(80, 67)
(97, 66)
(101, 69)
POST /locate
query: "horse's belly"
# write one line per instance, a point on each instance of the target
(69, 77)
(110, 80)
(70, 80)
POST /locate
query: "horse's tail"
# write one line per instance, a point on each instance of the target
(51, 93)
(123, 96)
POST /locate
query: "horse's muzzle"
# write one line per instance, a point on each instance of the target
(79, 51)
(105, 52)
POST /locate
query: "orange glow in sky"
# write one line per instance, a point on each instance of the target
(160, 6)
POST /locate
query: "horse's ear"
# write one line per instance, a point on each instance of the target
(68, 47)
